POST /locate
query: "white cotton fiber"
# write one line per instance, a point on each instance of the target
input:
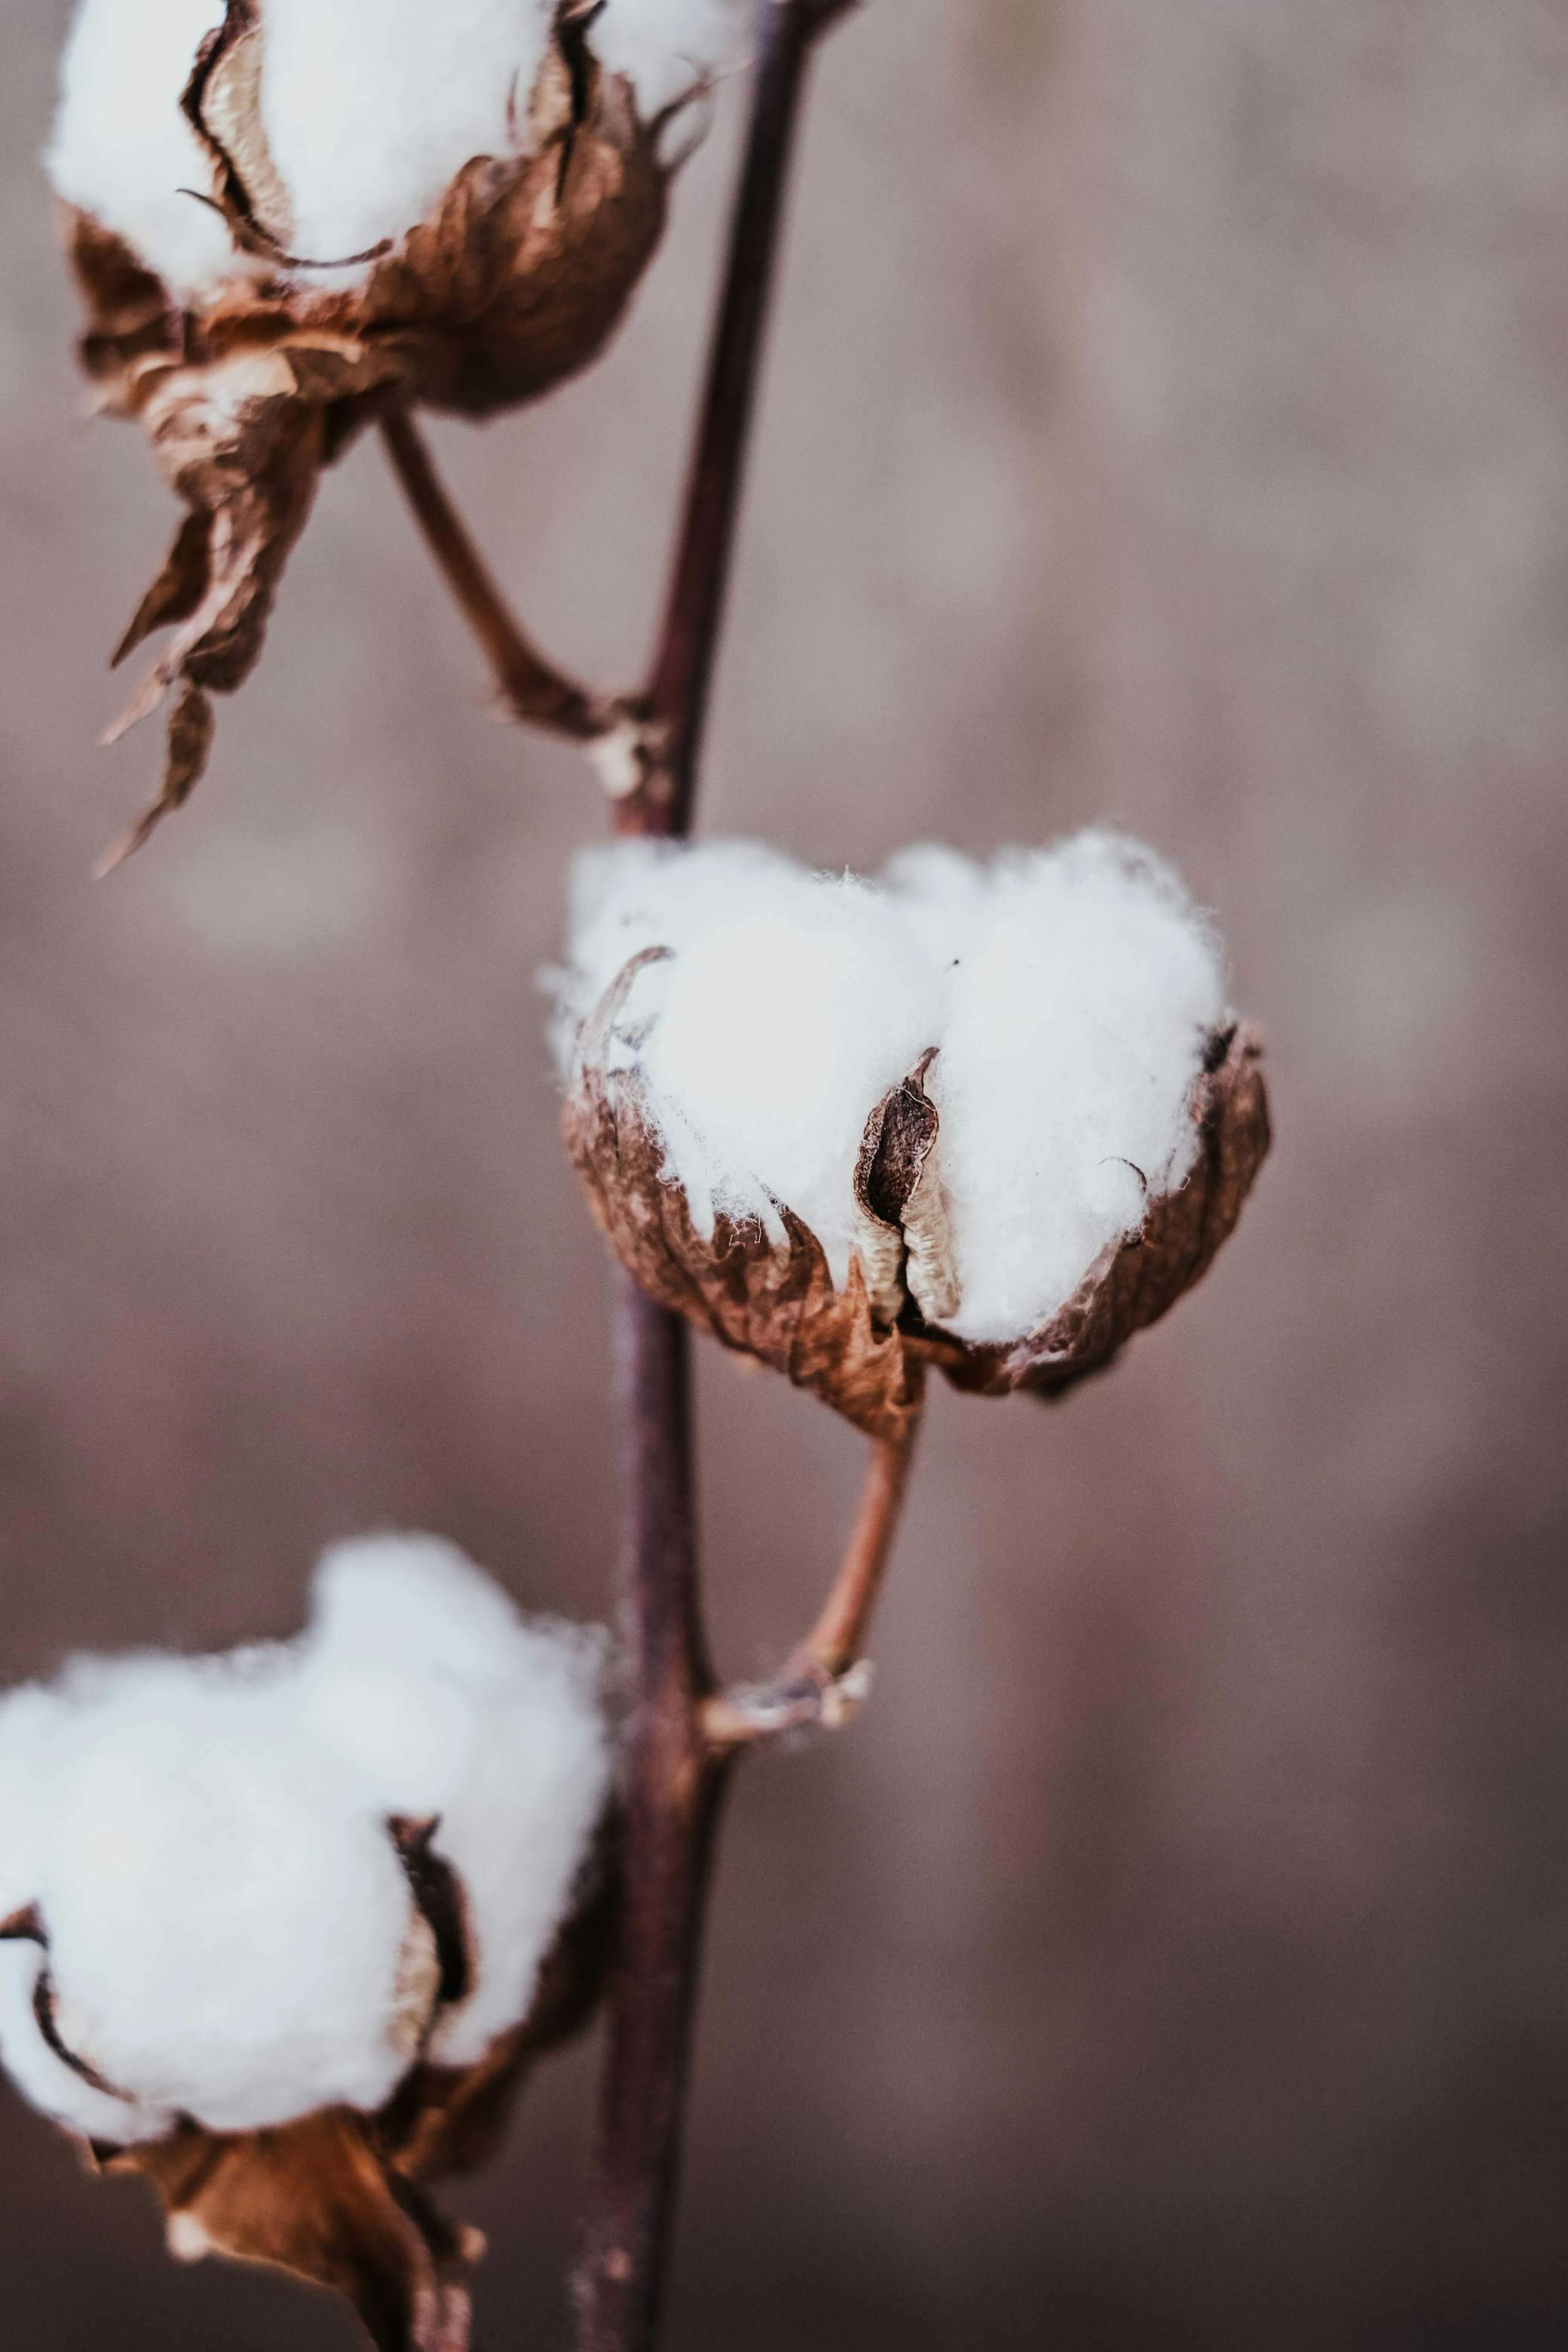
(419, 1671)
(668, 48)
(372, 107)
(1069, 992)
(1076, 1015)
(370, 110)
(123, 151)
(794, 1001)
(230, 1930)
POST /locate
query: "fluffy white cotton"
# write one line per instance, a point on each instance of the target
(1069, 992)
(123, 151)
(761, 1070)
(668, 48)
(1079, 999)
(230, 1930)
(370, 109)
(418, 1669)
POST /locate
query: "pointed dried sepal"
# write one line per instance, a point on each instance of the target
(1137, 1281)
(320, 2200)
(515, 281)
(775, 1300)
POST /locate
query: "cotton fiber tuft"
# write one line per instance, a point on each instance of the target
(209, 1911)
(1068, 995)
(370, 109)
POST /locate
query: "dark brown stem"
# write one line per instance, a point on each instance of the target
(826, 1680)
(676, 705)
(531, 687)
(673, 1776)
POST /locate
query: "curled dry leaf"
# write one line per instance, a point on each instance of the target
(514, 282)
(338, 2197)
(864, 1348)
(774, 1301)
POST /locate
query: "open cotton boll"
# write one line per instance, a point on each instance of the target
(123, 151)
(1075, 1032)
(1007, 1096)
(203, 1856)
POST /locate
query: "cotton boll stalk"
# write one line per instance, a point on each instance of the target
(991, 1118)
(283, 217)
(324, 1900)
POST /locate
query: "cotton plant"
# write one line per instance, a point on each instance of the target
(282, 1931)
(286, 216)
(284, 1928)
(994, 1118)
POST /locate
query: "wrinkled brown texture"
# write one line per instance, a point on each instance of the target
(861, 1349)
(515, 281)
(777, 1304)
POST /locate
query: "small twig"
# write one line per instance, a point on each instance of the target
(532, 687)
(827, 1680)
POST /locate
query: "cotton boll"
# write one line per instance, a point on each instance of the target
(1076, 1032)
(666, 48)
(123, 151)
(207, 1847)
(1004, 1091)
(372, 107)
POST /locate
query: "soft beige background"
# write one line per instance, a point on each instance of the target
(1167, 419)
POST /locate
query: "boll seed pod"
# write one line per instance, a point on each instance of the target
(297, 1921)
(994, 1120)
(283, 213)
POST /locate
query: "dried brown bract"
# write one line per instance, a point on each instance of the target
(776, 1303)
(515, 281)
(864, 1347)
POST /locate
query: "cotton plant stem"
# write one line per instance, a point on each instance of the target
(673, 1775)
(532, 687)
(676, 705)
(826, 1680)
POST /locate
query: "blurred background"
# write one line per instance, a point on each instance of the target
(1167, 420)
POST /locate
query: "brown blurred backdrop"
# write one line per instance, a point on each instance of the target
(1168, 419)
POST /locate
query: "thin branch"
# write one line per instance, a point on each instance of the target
(828, 1679)
(677, 702)
(531, 687)
(673, 1776)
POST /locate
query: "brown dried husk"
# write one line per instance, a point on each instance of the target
(864, 1349)
(338, 2197)
(515, 282)
(776, 1303)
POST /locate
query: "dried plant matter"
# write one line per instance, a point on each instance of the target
(513, 281)
(767, 1296)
